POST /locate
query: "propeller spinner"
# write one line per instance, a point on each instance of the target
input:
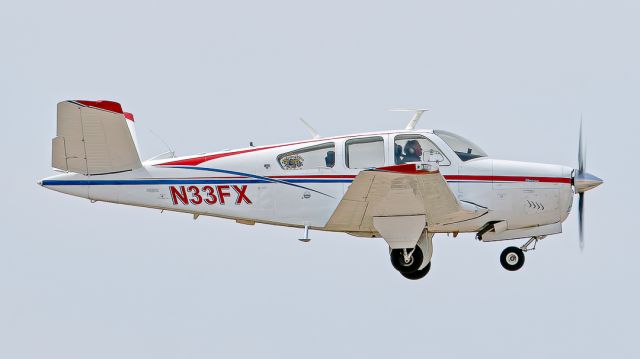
(582, 182)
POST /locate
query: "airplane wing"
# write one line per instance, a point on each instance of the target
(399, 202)
(94, 137)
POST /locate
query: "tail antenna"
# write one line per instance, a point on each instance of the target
(169, 154)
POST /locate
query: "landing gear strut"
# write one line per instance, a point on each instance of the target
(414, 263)
(407, 260)
(512, 258)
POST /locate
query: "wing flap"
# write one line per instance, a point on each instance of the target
(348, 215)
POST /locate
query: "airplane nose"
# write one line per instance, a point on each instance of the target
(585, 181)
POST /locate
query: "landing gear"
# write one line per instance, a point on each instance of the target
(419, 274)
(512, 258)
(413, 263)
(407, 260)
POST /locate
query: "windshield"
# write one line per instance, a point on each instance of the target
(464, 148)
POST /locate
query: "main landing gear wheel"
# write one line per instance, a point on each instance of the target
(407, 260)
(419, 274)
(512, 258)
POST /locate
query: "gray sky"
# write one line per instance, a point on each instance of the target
(81, 280)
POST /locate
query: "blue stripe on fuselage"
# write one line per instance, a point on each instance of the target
(252, 179)
(179, 182)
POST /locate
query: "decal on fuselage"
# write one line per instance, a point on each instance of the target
(292, 162)
(209, 195)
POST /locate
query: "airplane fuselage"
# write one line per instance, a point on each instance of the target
(268, 184)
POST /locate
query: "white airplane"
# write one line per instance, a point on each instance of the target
(401, 185)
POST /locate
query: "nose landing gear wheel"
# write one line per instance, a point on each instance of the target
(406, 260)
(419, 274)
(512, 258)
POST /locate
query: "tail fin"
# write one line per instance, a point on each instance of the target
(94, 137)
(131, 124)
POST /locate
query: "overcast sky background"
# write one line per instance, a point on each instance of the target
(81, 280)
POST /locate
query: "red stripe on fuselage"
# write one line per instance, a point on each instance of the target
(508, 179)
(407, 168)
(315, 176)
(198, 160)
(448, 177)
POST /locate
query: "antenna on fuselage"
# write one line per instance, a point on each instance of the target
(417, 113)
(312, 130)
(169, 154)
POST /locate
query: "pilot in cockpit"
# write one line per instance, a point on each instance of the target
(412, 151)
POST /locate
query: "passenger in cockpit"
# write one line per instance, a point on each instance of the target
(330, 158)
(397, 152)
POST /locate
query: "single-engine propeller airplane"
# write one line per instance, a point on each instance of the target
(401, 185)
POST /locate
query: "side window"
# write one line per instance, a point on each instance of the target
(323, 155)
(417, 148)
(365, 152)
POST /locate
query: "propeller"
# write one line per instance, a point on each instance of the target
(582, 164)
(582, 182)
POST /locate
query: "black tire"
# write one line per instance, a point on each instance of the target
(397, 259)
(512, 258)
(419, 274)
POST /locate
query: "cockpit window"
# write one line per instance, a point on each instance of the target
(417, 148)
(464, 148)
(318, 156)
